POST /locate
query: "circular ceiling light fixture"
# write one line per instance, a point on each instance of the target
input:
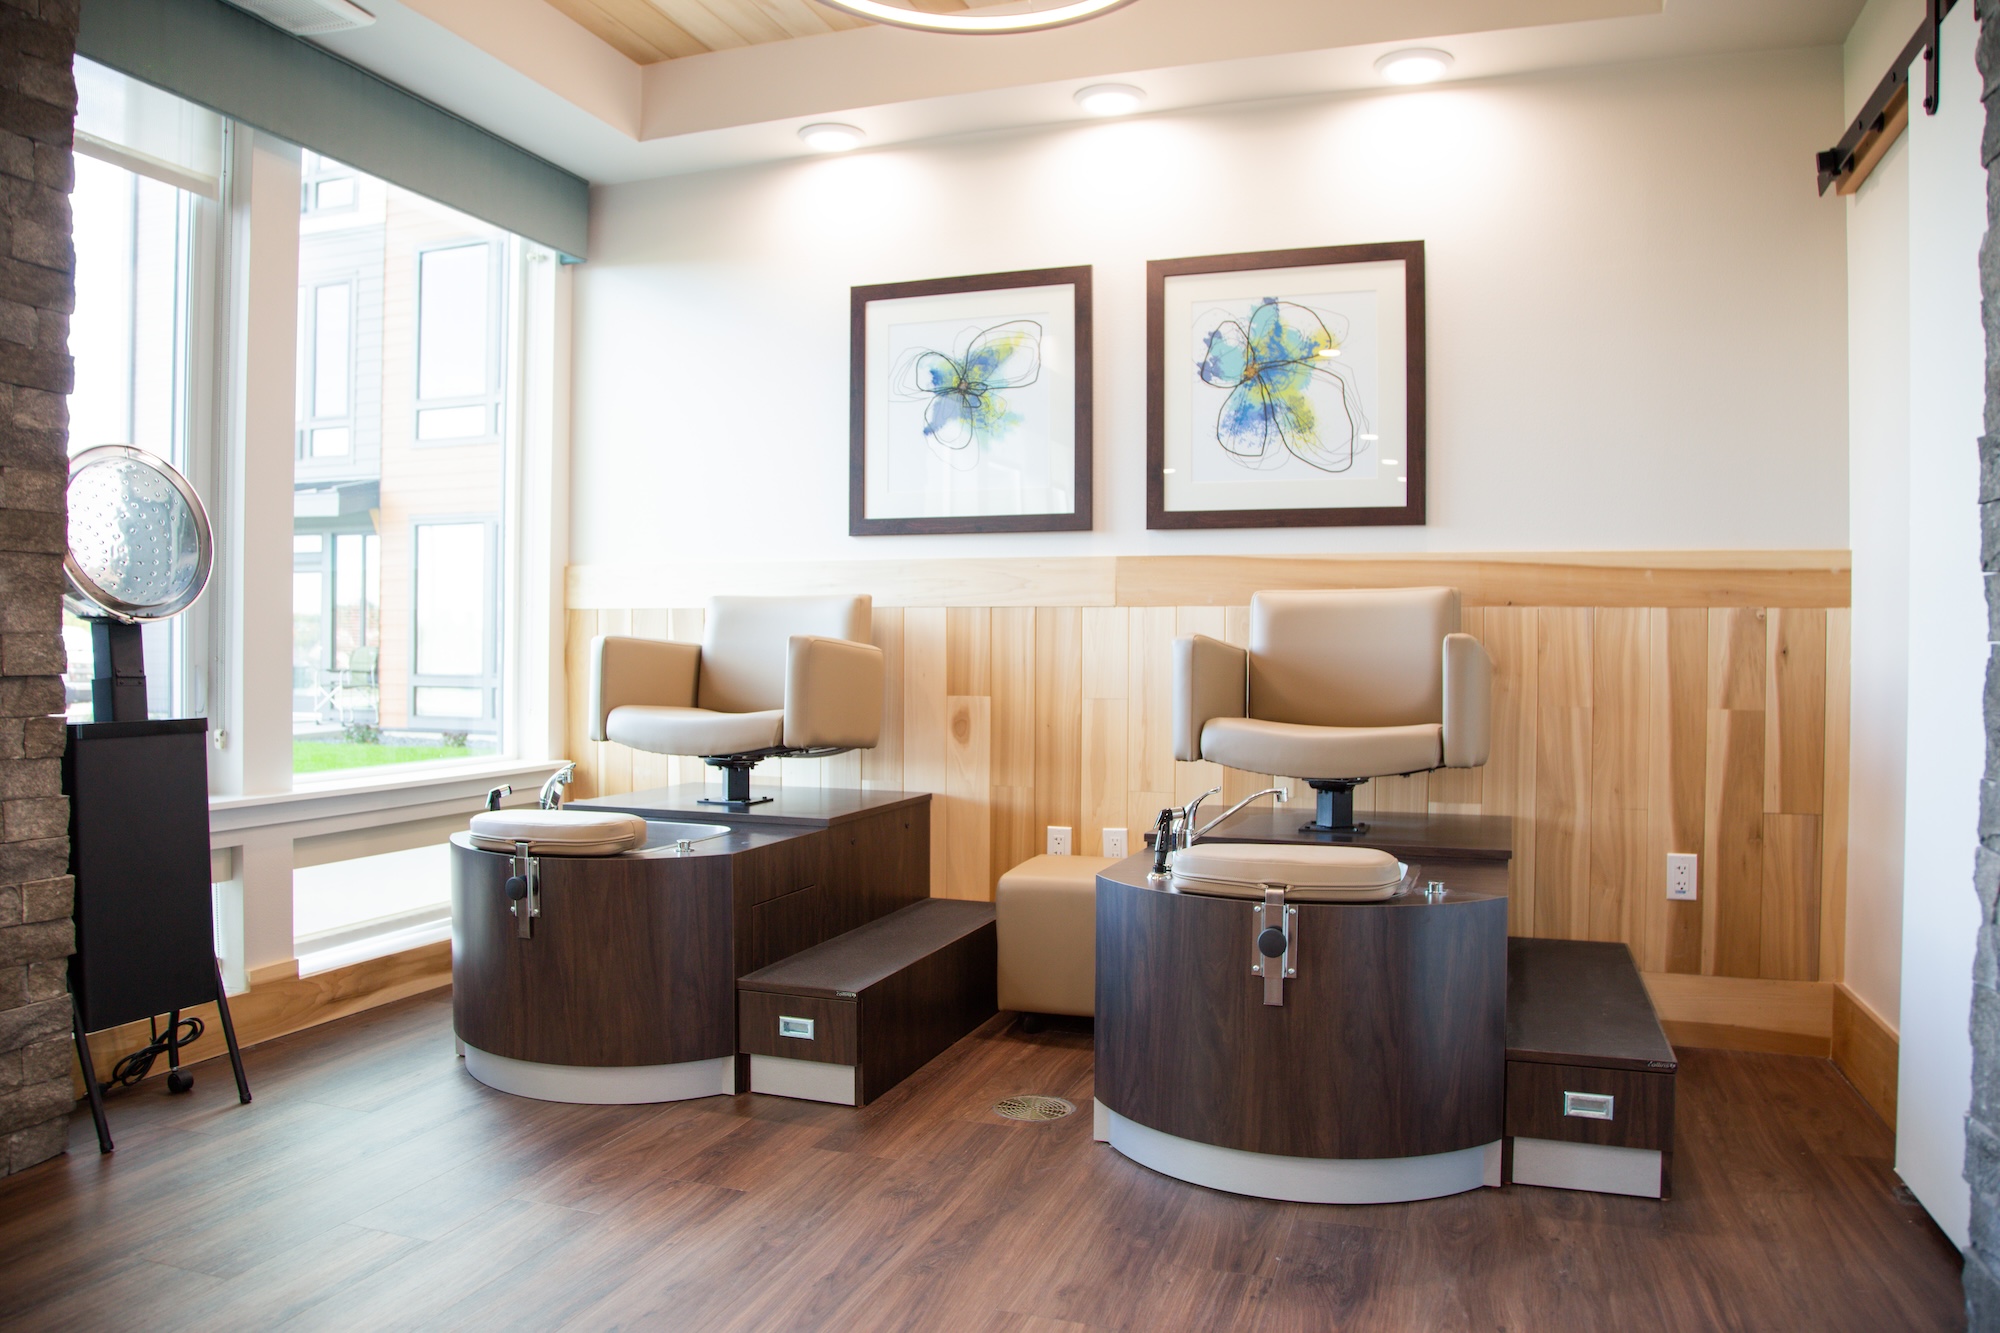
(1417, 64)
(1033, 16)
(831, 137)
(1110, 99)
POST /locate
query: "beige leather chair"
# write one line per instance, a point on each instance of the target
(1336, 688)
(772, 676)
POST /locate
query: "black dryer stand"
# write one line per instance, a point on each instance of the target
(145, 929)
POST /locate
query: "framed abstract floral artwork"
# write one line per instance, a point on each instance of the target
(1286, 388)
(969, 404)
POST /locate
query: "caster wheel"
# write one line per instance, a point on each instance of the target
(180, 1080)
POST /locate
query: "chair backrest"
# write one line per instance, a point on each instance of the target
(363, 659)
(1361, 657)
(745, 642)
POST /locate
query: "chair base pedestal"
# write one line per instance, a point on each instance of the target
(1335, 813)
(735, 784)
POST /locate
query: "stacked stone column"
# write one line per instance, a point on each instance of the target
(37, 294)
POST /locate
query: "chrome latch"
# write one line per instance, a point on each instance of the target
(1588, 1105)
(1271, 943)
(524, 886)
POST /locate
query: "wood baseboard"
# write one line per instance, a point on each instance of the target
(285, 1002)
(1867, 1050)
(1744, 1014)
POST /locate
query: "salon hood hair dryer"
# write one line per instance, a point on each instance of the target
(140, 550)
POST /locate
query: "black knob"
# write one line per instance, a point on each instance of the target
(517, 887)
(1271, 942)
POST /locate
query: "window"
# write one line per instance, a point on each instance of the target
(326, 186)
(130, 336)
(326, 359)
(458, 354)
(455, 669)
(400, 483)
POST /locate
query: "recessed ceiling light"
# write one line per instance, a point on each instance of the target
(1110, 99)
(829, 137)
(1023, 20)
(1418, 64)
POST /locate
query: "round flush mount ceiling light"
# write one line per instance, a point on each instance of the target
(1032, 16)
(829, 137)
(1110, 99)
(1418, 64)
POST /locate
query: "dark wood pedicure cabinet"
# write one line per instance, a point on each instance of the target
(623, 986)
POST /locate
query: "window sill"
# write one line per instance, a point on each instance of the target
(328, 798)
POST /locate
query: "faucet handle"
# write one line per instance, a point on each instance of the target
(494, 797)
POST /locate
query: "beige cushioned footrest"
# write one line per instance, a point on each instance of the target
(558, 832)
(1045, 911)
(1307, 874)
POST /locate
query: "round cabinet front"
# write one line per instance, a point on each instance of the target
(1375, 1069)
(623, 965)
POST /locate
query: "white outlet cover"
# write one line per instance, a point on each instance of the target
(1683, 876)
(1115, 843)
(1058, 840)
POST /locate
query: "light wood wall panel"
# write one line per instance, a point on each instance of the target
(1621, 732)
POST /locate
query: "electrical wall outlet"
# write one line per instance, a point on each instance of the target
(1114, 842)
(1681, 876)
(1058, 840)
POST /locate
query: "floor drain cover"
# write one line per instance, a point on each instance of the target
(1033, 1108)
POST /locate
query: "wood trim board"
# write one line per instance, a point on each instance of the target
(1867, 1050)
(1667, 579)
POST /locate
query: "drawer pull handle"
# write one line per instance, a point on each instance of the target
(1588, 1105)
(802, 1028)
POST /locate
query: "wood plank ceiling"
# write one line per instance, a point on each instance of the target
(647, 31)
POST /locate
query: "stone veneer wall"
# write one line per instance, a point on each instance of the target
(37, 293)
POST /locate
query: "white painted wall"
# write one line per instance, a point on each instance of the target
(1947, 633)
(1637, 310)
(1878, 395)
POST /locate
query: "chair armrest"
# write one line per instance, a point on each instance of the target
(1211, 679)
(833, 693)
(653, 672)
(1468, 701)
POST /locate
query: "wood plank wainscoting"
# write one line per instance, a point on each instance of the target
(1643, 703)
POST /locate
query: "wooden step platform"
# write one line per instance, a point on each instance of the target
(1590, 1073)
(849, 1019)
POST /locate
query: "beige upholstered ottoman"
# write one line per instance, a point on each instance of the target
(1046, 914)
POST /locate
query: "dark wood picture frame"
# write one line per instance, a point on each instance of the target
(1079, 519)
(1411, 512)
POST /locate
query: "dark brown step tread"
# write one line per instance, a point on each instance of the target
(1581, 1002)
(849, 964)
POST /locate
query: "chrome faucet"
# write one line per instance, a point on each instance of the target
(1171, 834)
(1202, 832)
(552, 790)
(1176, 830)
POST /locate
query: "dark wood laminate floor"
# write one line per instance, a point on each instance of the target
(373, 1184)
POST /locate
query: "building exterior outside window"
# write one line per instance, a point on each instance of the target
(399, 484)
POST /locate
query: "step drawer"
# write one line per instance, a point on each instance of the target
(766, 1023)
(1620, 1108)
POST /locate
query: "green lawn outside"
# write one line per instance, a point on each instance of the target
(327, 756)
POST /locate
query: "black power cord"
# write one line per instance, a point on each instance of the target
(138, 1064)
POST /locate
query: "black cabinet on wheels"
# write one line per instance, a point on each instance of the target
(145, 930)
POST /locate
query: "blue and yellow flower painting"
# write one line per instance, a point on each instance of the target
(1288, 394)
(968, 390)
